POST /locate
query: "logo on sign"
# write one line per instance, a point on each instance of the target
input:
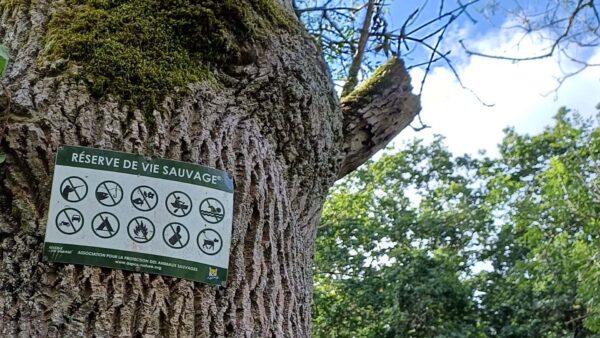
(213, 273)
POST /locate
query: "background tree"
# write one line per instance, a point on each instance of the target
(396, 241)
(423, 244)
(545, 273)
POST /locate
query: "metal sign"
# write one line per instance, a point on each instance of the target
(126, 211)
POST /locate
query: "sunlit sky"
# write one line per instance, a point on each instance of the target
(518, 91)
(524, 95)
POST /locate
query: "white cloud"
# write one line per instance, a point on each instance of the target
(516, 89)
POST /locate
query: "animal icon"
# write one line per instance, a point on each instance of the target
(101, 195)
(210, 244)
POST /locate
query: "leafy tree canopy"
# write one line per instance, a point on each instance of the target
(424, 244)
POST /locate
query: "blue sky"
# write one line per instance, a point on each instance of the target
(522, 93)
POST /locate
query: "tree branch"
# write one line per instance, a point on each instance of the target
(375, 112)
(555, 45)
(360, 51)
(325, 8)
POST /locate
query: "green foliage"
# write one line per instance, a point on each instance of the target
(545, 277)
(140, 50)
(4, 58)
(387, 269)
(400, 239)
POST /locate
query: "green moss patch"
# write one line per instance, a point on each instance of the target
(376, 81)
(140, 50)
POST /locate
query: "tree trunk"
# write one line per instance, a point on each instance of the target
(270, 117)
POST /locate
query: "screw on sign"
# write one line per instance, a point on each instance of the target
(212, 210)
(69, 221)
(144, 198)
(73, 189)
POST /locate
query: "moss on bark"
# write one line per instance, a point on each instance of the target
(140, 50)
(375, 82)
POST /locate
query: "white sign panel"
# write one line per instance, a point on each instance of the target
(126, 211)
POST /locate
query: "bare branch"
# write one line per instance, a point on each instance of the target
(557, 41)
(454, 72)
(567, 75)
(358, 57)
(422, 127)
(325, 8)
(434, 52)
(440, 17)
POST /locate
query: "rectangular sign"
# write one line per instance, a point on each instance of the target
(127, 211)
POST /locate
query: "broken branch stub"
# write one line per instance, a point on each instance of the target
(375, 112)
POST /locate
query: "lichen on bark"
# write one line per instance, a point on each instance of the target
(140, 50)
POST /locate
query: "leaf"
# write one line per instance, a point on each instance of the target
(2, 157)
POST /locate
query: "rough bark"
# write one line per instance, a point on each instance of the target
(375, 112)
(274, 124)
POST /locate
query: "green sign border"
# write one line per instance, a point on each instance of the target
(65, 152)
(134, 261)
